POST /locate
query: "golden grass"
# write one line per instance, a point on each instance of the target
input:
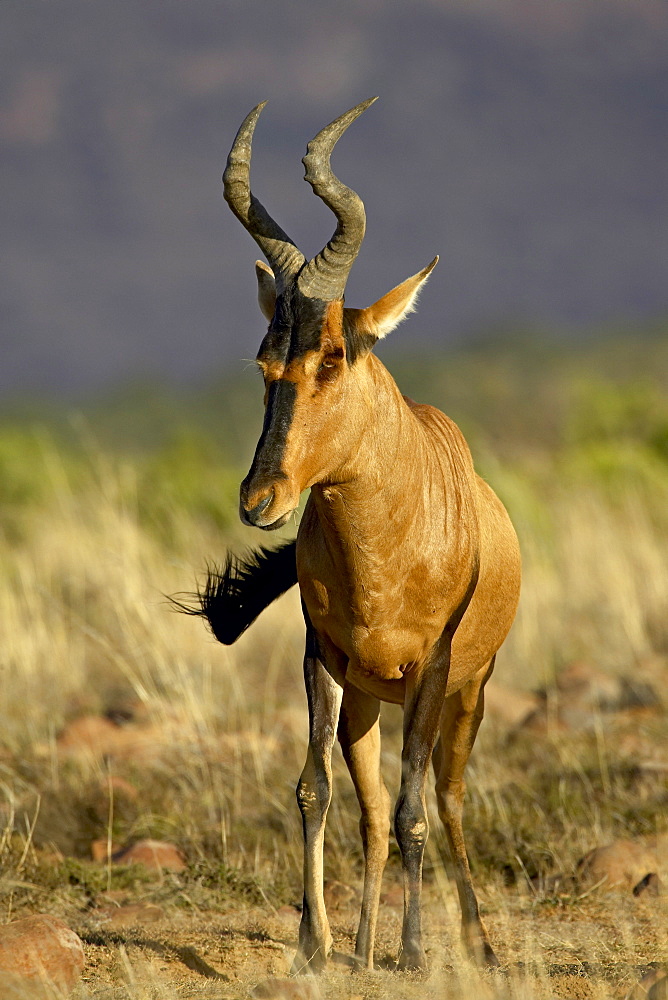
(219, 733)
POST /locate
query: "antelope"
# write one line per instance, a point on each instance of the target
(407, 563)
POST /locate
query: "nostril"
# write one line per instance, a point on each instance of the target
(252, 516)
(262, 506)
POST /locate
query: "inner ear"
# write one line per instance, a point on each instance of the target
(266, 289)
(388, 312)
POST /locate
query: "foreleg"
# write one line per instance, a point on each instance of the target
(462, 715)
(424, 700)
(314, 793)
(359, 735)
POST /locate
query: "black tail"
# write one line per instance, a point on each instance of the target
(235, 594)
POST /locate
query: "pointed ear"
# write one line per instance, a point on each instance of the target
(388, 312)
(266, 289)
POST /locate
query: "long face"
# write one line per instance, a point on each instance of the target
(305, 362)
(310, 358)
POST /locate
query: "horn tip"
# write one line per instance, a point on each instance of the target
(362, 106)
(252, 116)
(249, 122)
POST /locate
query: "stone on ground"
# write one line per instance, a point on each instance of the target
(39, 951)
(154, 854)
(509, 706)
(128, 915)
(622, 864)
(653, 986)
(303, 988)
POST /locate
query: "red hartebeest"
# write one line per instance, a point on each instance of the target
(407, 562)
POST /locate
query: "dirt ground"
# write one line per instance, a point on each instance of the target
(598, 946)
(122, 722)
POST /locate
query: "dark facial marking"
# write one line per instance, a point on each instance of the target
(278, 415)
(295, 329)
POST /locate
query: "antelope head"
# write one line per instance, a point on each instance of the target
(313, 355)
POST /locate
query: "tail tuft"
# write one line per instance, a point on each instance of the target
(235, 594)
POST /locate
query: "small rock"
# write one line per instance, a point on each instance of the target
(99, 736)
(121, 790)
(154, 854)
(304, 988)
(91, 733)
(653, 986)
(654, 768)
(659, 844)
(548, 718)
(638, 694)
(124, 710)
(40, 949)
(650, 885)
(623, 864)
(129, 915)
(510, 707)
(99, 849)
(580, 692)
(582, 685)
(289, 912)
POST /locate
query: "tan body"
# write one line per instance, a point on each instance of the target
(407, 562)
(382, 571)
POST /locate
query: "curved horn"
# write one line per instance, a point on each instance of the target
(325, 276)
(283, 256)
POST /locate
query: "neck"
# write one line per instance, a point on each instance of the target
(399, 517)
(379, 488)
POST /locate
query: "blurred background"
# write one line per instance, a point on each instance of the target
(524, 141)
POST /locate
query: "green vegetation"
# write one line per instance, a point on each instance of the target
(104, 514)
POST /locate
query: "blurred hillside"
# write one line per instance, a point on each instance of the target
(524, 141)
(515, 394)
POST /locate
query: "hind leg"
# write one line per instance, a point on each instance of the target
(462, 715)
(425, 695)
(359, 735)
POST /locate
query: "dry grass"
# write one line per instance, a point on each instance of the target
(214, 739)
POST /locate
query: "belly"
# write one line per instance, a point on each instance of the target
(393, 691)
(382, 643)
(384, 639)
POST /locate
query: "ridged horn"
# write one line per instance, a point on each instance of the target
(283, 256)
(325, 276)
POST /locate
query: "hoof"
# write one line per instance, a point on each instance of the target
(412, 961)
(303, 966)
(360, 963)
(489, 959)
(481, 952)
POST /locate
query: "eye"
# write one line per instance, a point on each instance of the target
(328, 371)
(330, 364)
